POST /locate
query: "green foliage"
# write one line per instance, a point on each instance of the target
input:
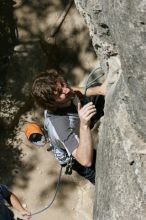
(8, 32)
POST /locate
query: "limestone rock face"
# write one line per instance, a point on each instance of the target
(118, 32)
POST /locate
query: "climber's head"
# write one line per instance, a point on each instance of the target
(51, 91)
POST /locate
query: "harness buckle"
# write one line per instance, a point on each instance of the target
(68, 170)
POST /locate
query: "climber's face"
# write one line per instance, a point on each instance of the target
(63, 94)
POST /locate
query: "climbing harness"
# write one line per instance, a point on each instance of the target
(56, 191)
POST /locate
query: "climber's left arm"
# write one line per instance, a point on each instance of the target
(96, 90)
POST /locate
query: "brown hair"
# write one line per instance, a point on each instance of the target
(43, 86)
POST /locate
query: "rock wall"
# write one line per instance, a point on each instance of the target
(118, 32)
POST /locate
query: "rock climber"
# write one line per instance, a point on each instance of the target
(68, 115)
